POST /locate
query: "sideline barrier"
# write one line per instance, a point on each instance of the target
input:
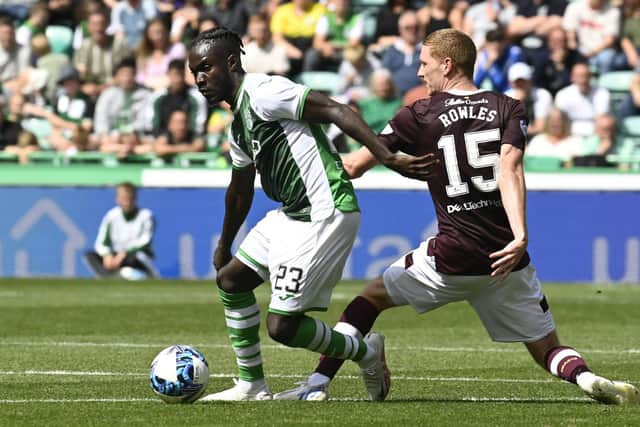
(582, 234)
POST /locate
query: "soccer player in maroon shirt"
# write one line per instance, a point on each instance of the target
(480, 252)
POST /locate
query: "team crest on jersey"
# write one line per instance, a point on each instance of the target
(523, 127)
(387, 130)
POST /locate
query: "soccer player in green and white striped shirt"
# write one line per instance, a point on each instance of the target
(302, 246)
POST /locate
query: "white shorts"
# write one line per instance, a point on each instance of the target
(303, 260)
(513, 309)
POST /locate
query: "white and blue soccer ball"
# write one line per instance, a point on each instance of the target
(179, 374)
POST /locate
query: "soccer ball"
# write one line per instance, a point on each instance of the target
(179, 374)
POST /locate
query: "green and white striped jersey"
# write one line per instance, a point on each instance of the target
(298, 165)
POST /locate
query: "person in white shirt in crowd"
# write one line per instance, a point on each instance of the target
(582, 101)
(593, 27)
(123, 246)
(556, 139)
(262, 54)
(538, 101)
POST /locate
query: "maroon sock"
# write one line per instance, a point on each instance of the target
(565, 363)
(361, 314)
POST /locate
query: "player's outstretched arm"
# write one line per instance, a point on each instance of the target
(513, 192)
(319, 108)
(238, 201)
(358, 162)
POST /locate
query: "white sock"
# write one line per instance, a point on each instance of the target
(369, 358)
(249, 385)
(585, 381)
(318, 379)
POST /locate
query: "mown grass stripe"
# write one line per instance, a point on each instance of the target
(514, 349)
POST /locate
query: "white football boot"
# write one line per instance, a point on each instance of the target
(242, 391)
(305, 391)
(607, 391)
(376, 376)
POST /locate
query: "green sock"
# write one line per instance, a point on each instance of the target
(317, 336)
(242, 315)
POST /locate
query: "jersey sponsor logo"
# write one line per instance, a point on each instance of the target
(255, 147)
(472, 206)
(449, 102)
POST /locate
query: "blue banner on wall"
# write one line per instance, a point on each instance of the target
(574, 236)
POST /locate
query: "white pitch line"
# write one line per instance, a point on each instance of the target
(473, 399)
(516, 349)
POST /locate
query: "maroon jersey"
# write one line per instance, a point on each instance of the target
(465, 131)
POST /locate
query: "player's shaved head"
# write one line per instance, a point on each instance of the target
(454, 44)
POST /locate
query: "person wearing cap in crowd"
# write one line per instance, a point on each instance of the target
(72, 109)
(537, 100)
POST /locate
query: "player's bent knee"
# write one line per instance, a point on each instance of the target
(281, 328)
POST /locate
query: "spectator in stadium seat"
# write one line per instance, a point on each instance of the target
(178, 138)
(434, 16)
(494, 61)
(554, 70)
(582, 102)
(293, 26)
(383, 104)
(488, 15)
(537, 101)
(232, 14)
(178, 96)
(336, 30)
(154, 54)
(630, 40)
(129, 19)
(51, 62)
(184, 22)
(387, 18)
(122, 110)
(81, 30)
(356, 69)
(124, 240)
(71, 109)
(402, 57)
(35, 24)
(602, 141)
(99, 54)
(262, 55)
(14, 57)
(556, 139)
(61, 12)
(593, 27)
(10, 127)
(26, 144)
(630, 105)
(533, 22)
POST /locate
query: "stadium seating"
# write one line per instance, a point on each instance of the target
(206, 159)
(631, 126)
(47, 157)
(542, 163)
(8, 157)
(60, 38)
(617, 83)
(323, 81)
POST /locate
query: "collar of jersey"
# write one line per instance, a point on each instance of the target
(236, 101)
(460, 92)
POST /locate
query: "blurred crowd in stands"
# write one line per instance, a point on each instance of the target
(91, 78)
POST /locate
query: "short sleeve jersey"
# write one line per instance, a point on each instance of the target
(465, 130)
(297, 163)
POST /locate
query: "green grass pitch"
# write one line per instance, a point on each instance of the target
(76, 352)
